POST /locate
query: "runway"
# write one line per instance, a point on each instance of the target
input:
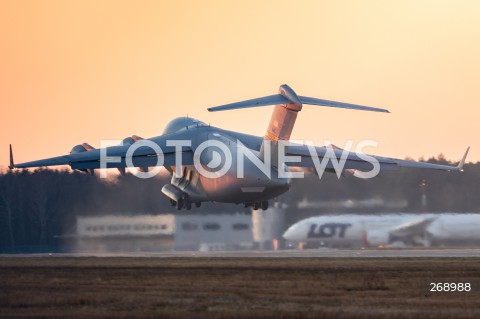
(249, 284)
(309, 253)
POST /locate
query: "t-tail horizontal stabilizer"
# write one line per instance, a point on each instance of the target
(287, 105)
(288, 96)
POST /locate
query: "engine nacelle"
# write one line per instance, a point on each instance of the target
(377, 238)
(129, 140)
(84, 147)
(80, 148)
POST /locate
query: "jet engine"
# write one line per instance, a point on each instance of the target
(80, 148)
(84, 147)
(129, 140)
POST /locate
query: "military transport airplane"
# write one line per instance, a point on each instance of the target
(212, 164)
(382, 230)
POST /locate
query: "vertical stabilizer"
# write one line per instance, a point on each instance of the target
(281, 123)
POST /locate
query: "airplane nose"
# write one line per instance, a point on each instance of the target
(290, 234)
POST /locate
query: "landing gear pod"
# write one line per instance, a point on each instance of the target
(177, 197)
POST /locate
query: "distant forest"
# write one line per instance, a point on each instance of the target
(36, 206)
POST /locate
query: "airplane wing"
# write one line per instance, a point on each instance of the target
(413, 228)
(282, 123)
(143, 156)
(309, 154)
(413, 232)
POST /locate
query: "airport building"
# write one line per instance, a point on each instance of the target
(213, 232)
(180, 232)
(124, 233)
(150, 233)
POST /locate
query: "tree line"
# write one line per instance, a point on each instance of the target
(36, 206)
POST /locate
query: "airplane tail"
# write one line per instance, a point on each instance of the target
(287, 105)
(281, 123)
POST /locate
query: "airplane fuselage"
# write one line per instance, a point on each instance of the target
(220, 179)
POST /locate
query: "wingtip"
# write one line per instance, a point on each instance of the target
(12, 164)
(462, 161)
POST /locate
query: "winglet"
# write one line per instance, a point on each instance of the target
(462, 162)
(12, 164)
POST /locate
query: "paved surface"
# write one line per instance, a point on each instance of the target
(327, 253)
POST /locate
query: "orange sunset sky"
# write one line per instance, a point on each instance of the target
(82, 71)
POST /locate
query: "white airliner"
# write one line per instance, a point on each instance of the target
(383, 230)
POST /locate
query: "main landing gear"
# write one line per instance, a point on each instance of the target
(184, 203)
(257, 205)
